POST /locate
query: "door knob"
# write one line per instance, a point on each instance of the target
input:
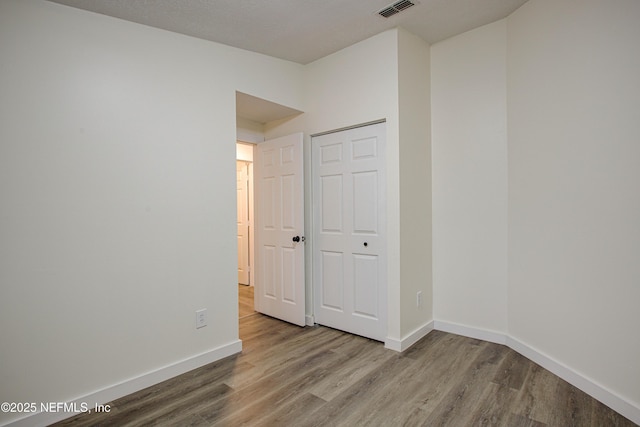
(366, 244)
(298, 239)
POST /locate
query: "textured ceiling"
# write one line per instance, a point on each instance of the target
(300, 30)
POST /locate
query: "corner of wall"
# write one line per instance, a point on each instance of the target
(416, 278)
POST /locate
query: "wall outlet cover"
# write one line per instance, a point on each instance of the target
(201, 318)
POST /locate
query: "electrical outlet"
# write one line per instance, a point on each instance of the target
(201, 318)
(419, 299)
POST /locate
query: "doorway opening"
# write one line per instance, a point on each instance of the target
(245, 225)
(253, 117)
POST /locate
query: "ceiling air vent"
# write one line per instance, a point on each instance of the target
(396, 7)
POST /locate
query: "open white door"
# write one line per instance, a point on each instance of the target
(242, 183)
(279, 203)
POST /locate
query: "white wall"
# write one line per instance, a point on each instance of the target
(118, 144)
(469, 102)
(564, 73)
(415, 183)
(574, 201)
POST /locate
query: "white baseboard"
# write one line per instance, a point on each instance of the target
(589, 386)
(466, 331)
(574, 378)
(132, 385)
(410, 339)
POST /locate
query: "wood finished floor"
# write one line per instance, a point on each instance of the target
(245, 301)
(316, 376)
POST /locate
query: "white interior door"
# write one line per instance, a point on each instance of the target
(349, 240)
(242, 182)
(279, 203)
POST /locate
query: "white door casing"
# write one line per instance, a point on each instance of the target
(279, 204)
(349, 232)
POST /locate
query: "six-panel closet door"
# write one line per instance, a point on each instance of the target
(349, 233)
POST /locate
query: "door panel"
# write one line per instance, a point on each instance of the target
(289, 274)
(288, 203)
(365, 203)
(349, 240)
(267, 208)
(331, 199)
(268, 270)
(279, 218)
(365, 278)
(332, 280)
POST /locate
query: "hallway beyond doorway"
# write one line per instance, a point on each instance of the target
(245, 301)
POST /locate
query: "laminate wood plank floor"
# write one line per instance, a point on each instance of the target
(317, 376)
(245, 301)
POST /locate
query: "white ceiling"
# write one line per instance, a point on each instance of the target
(301, 31)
